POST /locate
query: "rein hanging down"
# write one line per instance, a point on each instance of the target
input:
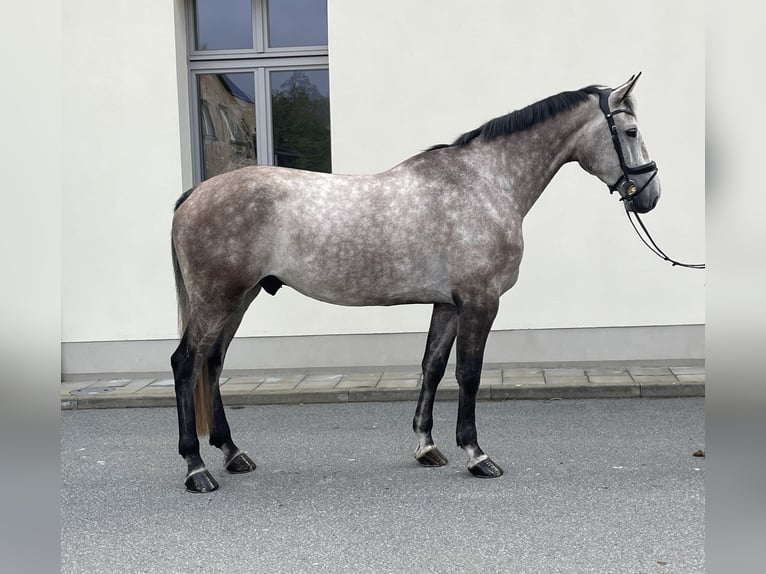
(654, 248)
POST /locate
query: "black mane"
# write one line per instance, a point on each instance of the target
(524, 118)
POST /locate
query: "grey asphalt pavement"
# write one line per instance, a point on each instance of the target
(596, 485)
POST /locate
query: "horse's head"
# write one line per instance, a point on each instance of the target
(615, 152)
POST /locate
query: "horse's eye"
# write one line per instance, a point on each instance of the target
(632, 132)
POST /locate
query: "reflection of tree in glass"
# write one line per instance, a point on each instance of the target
(301, 123)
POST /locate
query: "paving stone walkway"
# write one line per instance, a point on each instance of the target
(498, 383)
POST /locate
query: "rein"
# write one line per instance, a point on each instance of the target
(628, 189)
(654, 248)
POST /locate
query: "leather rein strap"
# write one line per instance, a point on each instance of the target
(653, 246)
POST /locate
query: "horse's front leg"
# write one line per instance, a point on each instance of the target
(441, 336)
(474, 322)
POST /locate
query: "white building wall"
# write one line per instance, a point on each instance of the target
(404, 75)
(121, 169)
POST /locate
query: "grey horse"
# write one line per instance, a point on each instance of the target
(444, 228)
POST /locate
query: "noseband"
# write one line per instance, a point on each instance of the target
(627, 188)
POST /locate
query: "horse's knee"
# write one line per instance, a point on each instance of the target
(434, 368)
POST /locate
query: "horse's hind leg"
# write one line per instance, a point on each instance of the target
(474, 322)
(234, 460)
(441, 336)
(195, 391)
(188, 361)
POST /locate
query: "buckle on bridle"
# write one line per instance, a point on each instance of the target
(630, 189)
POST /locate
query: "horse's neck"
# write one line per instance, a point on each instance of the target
(531, 158)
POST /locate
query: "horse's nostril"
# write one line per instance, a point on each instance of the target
(655, 200)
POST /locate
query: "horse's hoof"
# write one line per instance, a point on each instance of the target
(200, 481)
(431, 456)
(485, 468)
(239, 463)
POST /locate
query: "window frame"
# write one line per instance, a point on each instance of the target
(260, 60)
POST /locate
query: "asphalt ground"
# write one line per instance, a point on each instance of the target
(597, 485)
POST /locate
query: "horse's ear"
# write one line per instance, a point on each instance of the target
(623, 91)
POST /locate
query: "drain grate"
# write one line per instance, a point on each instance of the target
(92, 391)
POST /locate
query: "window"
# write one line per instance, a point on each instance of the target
(259, 84)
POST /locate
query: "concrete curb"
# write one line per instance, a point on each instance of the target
(546, 384)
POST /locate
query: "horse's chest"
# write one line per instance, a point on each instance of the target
(490, 256)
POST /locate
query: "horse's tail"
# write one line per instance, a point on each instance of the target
(203, 404)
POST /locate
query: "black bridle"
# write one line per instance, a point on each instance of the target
(627, 187)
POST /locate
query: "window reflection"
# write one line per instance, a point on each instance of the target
(300, 111)
(223, 24)
(297, 23)
(227, 122)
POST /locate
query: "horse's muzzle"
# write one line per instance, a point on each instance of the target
(642, 203)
